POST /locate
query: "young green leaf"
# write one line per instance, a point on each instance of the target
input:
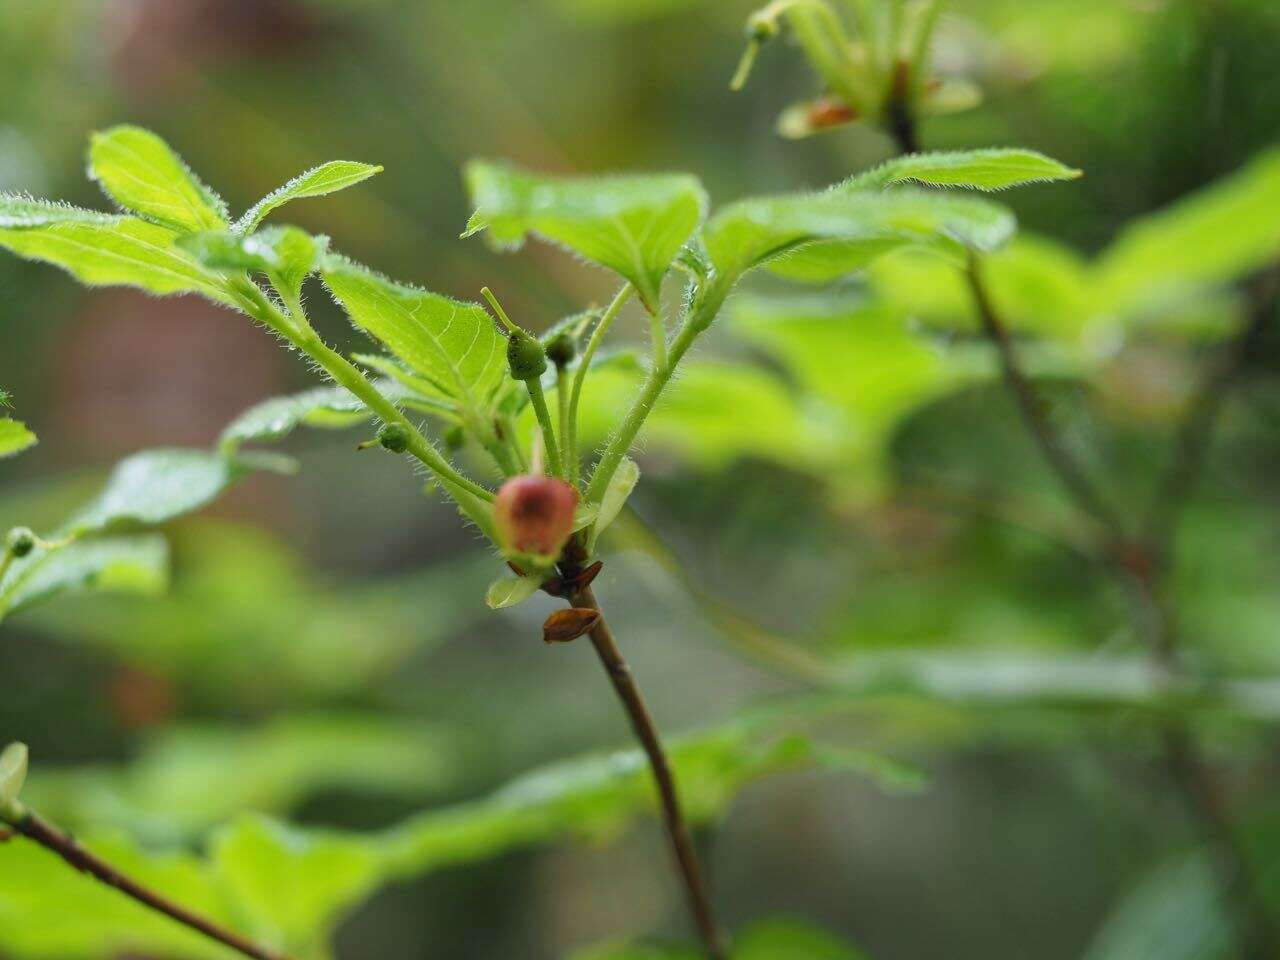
(615, 496)
(116, 564)
(102, 249)
(158, 485)
(993, 169)
(827, 234)
(327, 178)
(634, 225)
(14, 437)
(509, 591)
(142, 173)
(286, 254)
(13, 772)
(453, 344)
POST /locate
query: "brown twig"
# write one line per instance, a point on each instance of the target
(35, 828)
(1192, 445)
(1060, 460)
(624, 684)
(1140, 566)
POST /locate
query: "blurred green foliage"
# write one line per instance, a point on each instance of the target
(837, 474)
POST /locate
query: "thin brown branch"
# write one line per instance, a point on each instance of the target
(1191, 448)
(36, 828)
(1140, 567)
(1072, 477)
(646, 732)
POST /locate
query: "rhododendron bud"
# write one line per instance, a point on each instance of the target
(534, 514)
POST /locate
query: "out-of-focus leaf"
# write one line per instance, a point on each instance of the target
(100, 249)
(142, 173)
(292, 886)
(766, 940)
(1038, 285)
(114, 564)
(157, 485)
(1209, 238)
(190, 778)
(992, 169)
(248, 623)
(820, 236)
(327, 178)
(455, 345)
(634, 225)
(1175, 913)
(14, 437)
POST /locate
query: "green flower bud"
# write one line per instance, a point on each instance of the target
(394, 437)
(20, 541)
(761, 27)
(525, 357)
(561, 349)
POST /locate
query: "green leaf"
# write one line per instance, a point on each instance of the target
(154, 486)
(117, 564)
(509, 591)
(1175, 913)
(189, 778)
(634, 225)
(856, 228)
(327, 178)
(14, 437)
(142, 173)
(291, 886)
(13, 772)
(615, 496)
(276, 418)
(1207, 239)
(453, 344)
(775, 939)
(286, 254)
(993, 169)
(101, 249)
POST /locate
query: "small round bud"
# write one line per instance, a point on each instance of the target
(394, 437)
(534, 514)
(454, 438)
(525, 357)
(561, 349)
(761, 28)
(20, 541)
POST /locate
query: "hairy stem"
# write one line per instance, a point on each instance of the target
(34, 827)
(646, 732)
(1140, 568)
(471, 496)
(539, 401)
(698, 319)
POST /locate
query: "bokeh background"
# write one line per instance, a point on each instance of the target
(342, 609)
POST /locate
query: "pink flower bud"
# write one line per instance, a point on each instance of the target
(534, 514)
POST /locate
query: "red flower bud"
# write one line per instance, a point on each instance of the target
(534, 514)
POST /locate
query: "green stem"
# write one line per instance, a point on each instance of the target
(539, 401)
(562, 413)
(700, 317)
(658, 333)
(471, 496)
(580, 376)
